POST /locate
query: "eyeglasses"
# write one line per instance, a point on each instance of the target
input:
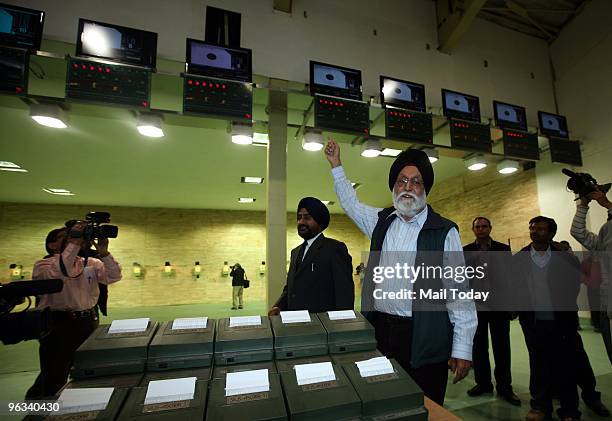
(415, 181)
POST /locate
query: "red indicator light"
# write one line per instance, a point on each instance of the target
(337, 104)
(320, 101)
(83, 67)
(197, 83)
(223, 86)
(107, 70)
(365, 130)
(91, 68)
(247, 115)
(216, 85)
(18, 89)
(203, 83)
(189, 82)
(342, 104)
(409, 116)
(76, 66)
(99, 69)
(145, 103)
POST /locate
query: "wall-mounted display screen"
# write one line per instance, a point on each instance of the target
(460, 105)
(117, 43)
(332, 80)
(213, 60)
(553, 125)
(21, 27)
(402, 94)
(508, 116)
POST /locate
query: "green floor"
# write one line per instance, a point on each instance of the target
(19, 364)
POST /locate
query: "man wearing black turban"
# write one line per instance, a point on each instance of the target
(320, 273)
(426, 337)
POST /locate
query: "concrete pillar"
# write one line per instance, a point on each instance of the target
(276, 182)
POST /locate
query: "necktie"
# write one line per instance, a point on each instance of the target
(300, 255)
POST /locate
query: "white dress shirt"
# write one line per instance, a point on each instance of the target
(401, 239)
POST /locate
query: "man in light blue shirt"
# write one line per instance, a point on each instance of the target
(425, 342)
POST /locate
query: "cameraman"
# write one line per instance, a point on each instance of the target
(73, 310)
(601, 243)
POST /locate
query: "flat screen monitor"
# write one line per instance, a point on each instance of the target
(327, 79)
(402, 94)
(21, 27)
(206, 59)
(460, 105)
(508, 116)
(116, 43)
(553, 125)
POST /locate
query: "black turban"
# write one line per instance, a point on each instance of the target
(316, 209)
(416, 158)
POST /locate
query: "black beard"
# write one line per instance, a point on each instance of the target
(306, 235)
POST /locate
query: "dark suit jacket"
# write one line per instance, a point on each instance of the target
(563, 278)
(322, 282)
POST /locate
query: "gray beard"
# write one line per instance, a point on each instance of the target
(408, 208)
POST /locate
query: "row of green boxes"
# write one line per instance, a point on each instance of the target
(392, 396)
(159, 347)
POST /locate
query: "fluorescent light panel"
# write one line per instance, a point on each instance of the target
(390, 152)
(11, 166)
(252, 180)
(59, 192)
(246, 199)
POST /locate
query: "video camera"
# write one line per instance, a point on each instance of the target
(25, 325)
(94, 227)
(582, 183)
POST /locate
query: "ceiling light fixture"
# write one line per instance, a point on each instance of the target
(507, 166)
(475, 163)
(150, 125)
(432, 153)
(11, 166)
(327, 202)
(313, 140)
(246, 199)
(58, 192)
(390, 152)
(48, 115)
(260, 139)
(371, 148)
(242, 133)
(251, 180)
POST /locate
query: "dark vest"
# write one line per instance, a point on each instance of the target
(432, 337)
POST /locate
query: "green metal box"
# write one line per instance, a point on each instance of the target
(121, 381)
(109, 413)
(104, 354)
(296, 340)
(259, 406)
(185, 410)
(388, 396)
(348, 335)
(326, 401)
(185, 348)
(200, 373)
(243, 344)
(287, 365)
(351, 357)
(221, 370)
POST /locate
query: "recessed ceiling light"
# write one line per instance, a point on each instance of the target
(59, 192)
(507, 166)
(390, 152)
(432, 154)
(48, 115)
(11, 166)
(246, 199)
(327, 202)
(242, 134)
(475, 163)
(313, 140)
(150, 125)
(371, 148)
(252, 180)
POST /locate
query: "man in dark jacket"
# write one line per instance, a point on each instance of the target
(547, 284)
(320, 273)
(486, 251)
(238, 277)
